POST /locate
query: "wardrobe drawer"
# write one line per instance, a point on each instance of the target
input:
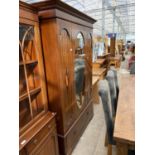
(36, 140)
(78, 129)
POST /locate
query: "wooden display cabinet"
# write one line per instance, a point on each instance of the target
(36, 125)
(66, 35)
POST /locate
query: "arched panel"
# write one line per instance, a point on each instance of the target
(79, 70)
(67, 69)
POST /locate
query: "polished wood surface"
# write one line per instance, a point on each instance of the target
(48, 5)
(60, 24)
(36, 128)
(41, 138)
(28, 12)
(32, 87)
(125, 115)
(95, 79)
(98, 71)
(98, 63)
(124, 130)
(95, 96)
(37, 125)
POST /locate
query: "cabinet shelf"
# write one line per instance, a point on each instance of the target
(30, 62)
(32, 92)
(35, 91)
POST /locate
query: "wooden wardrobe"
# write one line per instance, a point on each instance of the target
(37, 127)
(66, 36)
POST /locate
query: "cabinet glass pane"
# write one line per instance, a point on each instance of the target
(24, 113)
(31, 101)
(79, 70)
(36, 102)
(34, 88)
(22, 81)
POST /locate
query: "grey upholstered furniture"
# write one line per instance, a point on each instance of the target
(110, 77)
(79, 75)
(132, 68)
(104, 93)
(116, 84)
(116, 81)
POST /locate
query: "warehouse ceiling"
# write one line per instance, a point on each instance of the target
(113, 16)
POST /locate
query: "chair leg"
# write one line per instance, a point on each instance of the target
(109, 149)
(106, 140)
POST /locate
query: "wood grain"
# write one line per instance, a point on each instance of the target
(60, 24)
(37, 130)
(95, 96)
(95, 79)
(98, 71)
(124, 130)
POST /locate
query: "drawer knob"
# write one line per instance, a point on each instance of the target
(23, 142)
(35, 141)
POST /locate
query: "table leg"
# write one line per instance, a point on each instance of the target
(122, 149)
(95, 95)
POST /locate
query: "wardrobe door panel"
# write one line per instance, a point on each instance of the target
(67, 75)
(89, 65)
(80, 67)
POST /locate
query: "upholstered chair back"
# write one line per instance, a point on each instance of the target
(111, 81)
(117, 84)
(104, 93)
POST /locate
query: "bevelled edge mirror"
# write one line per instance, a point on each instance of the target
(79, 70)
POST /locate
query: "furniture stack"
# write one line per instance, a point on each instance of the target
(106, 45)
(116, 61)
(120, 45)
(55, 83)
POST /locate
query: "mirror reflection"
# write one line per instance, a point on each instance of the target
(79, 70)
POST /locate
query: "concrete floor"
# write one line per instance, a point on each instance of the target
(92, 140)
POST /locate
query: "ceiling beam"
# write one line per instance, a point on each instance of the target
(116, 17)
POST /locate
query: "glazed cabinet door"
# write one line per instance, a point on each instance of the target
(47, 147)
(32, 92)
(67, 72)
